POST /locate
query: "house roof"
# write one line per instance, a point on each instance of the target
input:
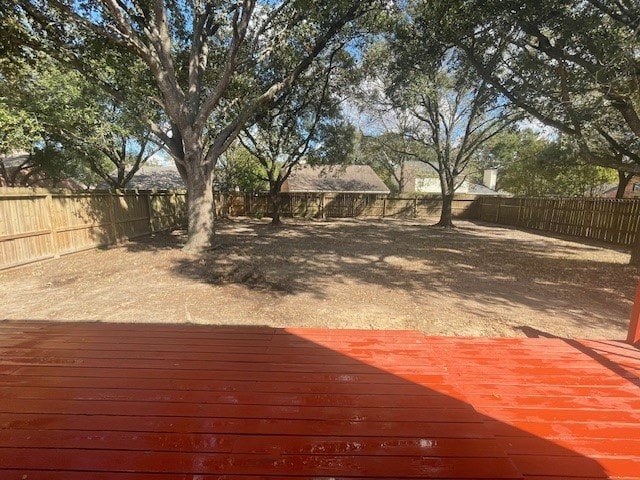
(15, 159)
(21, 170)
(155, 176)
(477, 189)
(339, 179)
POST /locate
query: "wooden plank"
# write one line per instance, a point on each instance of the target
(255, 445)
(348, 403)
(255, 411)
(95, 390)
(244, 426)
(314, 465)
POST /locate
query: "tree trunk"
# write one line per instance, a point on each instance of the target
(446, 213)
(447, 187)
(276, 207)
(623, 181)
(200, 208)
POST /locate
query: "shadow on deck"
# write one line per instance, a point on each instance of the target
(123, 401)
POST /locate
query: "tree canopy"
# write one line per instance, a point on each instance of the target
(531, 165)
(572, 65)
(192, 76)
(213, 65)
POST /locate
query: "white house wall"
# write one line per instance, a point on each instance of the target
(432, 185)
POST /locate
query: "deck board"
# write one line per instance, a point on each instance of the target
(169, 402)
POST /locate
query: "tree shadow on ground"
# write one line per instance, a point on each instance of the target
(588, 349)
(487, 264)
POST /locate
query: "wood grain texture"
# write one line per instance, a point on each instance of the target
(175, 402)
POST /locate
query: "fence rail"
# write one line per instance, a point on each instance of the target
(344, 205)
(36, 224)
(40, 224)
(609, 220)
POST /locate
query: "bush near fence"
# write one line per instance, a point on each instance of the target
(36, 224)
(609, 220)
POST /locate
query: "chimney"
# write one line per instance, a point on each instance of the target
(490, 178)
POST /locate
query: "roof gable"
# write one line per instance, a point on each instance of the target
(156, 176)
(339, 178)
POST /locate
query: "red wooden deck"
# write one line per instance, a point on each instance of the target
(118, 401)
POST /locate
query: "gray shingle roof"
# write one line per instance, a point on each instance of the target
(159, 177)
(339, 178)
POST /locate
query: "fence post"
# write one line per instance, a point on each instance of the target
(633, 336)
(497, 209)
(519, 212)
(52, 225)
(150, 211)
(384, 206)
(112, 214)
(415, 207)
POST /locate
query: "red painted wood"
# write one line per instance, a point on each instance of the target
(308, 465)
(256, 445)
(633, 335)
(249, 426)
(172, 402)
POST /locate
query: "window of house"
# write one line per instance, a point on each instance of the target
(636, 187)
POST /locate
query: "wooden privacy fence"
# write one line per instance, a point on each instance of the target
(344, 205)
(606, 219)
(37, 224)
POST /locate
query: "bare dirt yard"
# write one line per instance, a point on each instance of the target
(386, 274)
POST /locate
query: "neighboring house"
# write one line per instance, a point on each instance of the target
(153, 177)
(18, 170)
(609, 190)
(422, 178)
(335, 179)
(149, 177)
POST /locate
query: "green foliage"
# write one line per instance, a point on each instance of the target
(573, 65)
(57, 110)
(335, 144)
(440, 113)
(304, 124)
(532, 166)
(215, 66)
(239, 170)
(388, 154)
(19, 130)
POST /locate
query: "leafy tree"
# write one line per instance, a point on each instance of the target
(529, 165)
(18, 131)
(214, 66)
(68, 115)
(446, 113)
(239, 170)
(572, 65)
(388, 153)
(300, 126)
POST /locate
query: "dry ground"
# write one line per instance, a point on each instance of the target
(474, 280)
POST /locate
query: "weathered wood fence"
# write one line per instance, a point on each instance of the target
(40, 224)
(609, 220)
(337, 205)
(37, 224)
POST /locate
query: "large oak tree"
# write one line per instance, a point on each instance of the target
(214, 65)
(572, 65)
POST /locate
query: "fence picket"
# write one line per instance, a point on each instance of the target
(609, 220)
(36, 224)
